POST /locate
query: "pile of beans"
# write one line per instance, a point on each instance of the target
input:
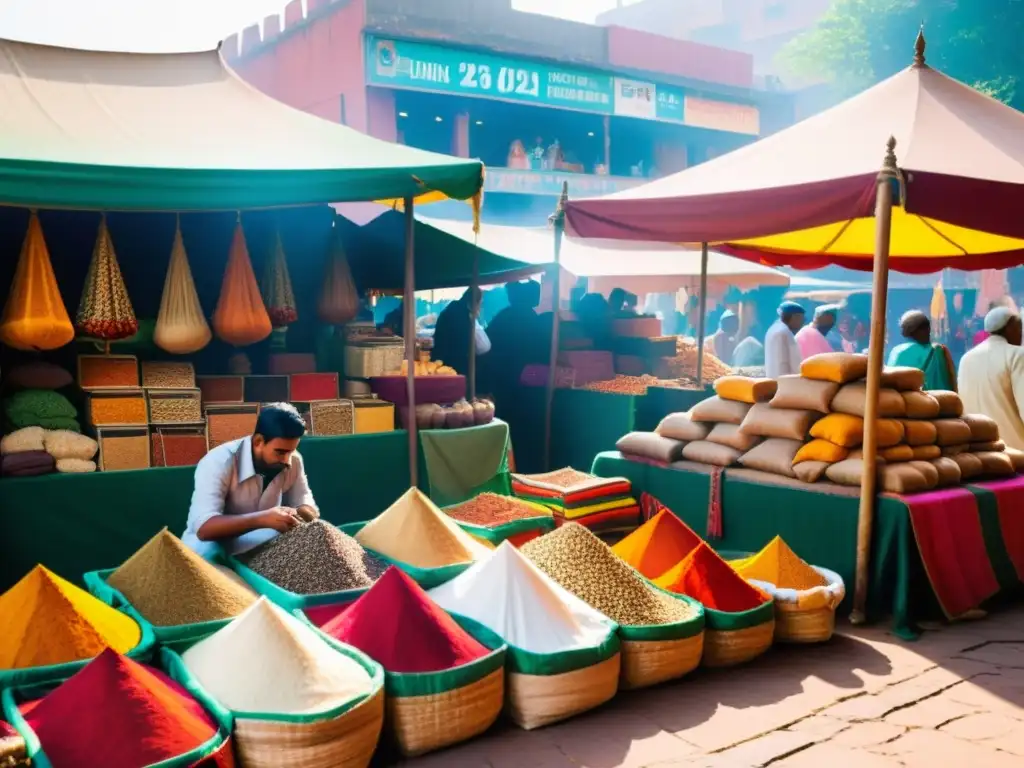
(168, 375)
(584, 565)
(629, 385)
(490, 509)
(314, 558)
(173, 408)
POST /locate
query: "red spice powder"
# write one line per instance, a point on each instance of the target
(306, 387)
(117, 712)
(707, 578)
(398, 625)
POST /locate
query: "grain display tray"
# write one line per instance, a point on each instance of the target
(115, 407)
(332, 418)
(286, 363)
(374, 416)
(307, 387)
(108, 371)
(174, 406)
(168, 375)
(225, 423)
(221, 389)
(182, 445)
(123, 448)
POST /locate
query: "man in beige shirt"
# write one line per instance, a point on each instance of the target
(991, 378)
(250, 490)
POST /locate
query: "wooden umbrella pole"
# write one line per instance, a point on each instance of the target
(409, 331)
(558, 222)
(474, 313)
(876, 352)
(702, 320)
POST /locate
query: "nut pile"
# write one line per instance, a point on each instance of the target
(174, 409)
(583, 564)
(490, 509)
(684, 364)
(332, 417)
(314, 558)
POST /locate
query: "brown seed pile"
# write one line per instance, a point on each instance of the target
(562, 478)
(168, 375)
(490, 509)
(629, 385)
(314, 558)
(583, 564)
(174, 408)
(332, 417)
(171, 585)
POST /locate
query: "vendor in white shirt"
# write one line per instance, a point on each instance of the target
(249, 490)
(781, 350)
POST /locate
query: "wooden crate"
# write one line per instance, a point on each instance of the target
(162, 436)
(107, 372)
(168, 375)
(123, 448)
(174, 406)
(100, 404)
(225, 423)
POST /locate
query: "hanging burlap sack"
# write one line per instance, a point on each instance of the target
(181, 328)
(105, 311)
(277, 288)
(241, 318)
(34, 316)
(339, 301)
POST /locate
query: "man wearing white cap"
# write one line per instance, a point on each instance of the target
(812, 338)
(991, 379)
(781, 352)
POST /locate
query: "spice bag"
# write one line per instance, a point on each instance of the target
(345, 737)
(34, 316)
(433, 710)
(658, 653)
(240, 318)
(546, 688)
(167, 662)
(181, 327)
(278, 295)
(808, 615)
(339, 300)
(105, 311)
(736, 638)
(428, 578)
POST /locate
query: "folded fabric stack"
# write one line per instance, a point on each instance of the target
(602, 504)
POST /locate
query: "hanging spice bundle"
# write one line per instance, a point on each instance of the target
(339, 301)
(34, 316)
(277, 288)
(240, 318)
(105, 311)
(181, 328)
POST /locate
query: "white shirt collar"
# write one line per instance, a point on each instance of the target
(246, 469)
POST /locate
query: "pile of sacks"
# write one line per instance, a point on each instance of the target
(811, 427)
(36, 451)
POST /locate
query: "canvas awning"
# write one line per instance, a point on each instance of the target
(182, 132)
(805, 196)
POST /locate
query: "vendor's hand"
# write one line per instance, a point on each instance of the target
(307, 514)
(280, 519)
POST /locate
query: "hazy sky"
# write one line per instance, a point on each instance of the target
(149, 25)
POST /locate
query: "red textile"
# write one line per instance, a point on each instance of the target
(612, 489)
(952, 546)
(1010, 502)
(911, 265)
(117, 712)
(715, 525)
(399, 626)
(611, 519)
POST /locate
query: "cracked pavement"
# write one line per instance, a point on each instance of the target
(865, 700)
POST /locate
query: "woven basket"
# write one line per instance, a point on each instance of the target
(650, 662)
(346, 741)
(534, 701)
(809, 615)
(736, 638)
(423, 724)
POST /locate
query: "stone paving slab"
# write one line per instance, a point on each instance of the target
(865, 700)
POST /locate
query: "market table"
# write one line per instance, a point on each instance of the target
(819, 522)
(74, 523)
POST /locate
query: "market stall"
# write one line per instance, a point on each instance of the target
(804, 197)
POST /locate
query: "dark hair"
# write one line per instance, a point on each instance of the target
(279, 421)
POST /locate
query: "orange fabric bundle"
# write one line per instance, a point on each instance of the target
(34, 316)
(339, 300)
(181, 327)
(277, 288)
(707, 578)
(658, 544)
(240, 318)
(105, 311)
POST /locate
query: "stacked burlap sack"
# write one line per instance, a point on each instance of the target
(810, 427)
(36, 451)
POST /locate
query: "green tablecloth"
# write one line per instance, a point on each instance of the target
(821, 527)
(78, 523)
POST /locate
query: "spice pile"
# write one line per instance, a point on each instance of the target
(299, 673)
(707, 578)
(684, 364)
(414, 531)
(658, 545)
(46, 620)
(602, 504)
(116, 711)
(399, 626)
(518, 602)
(314, 558)
(631, 385)
(490, 509)
(583, 564)
(780, 566)
(170, 585)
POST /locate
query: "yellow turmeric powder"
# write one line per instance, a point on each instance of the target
(47, 620)
(779, 565)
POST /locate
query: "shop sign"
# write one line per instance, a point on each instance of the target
(722, 116)
(550, 183)
(423, 67)
(648, 101)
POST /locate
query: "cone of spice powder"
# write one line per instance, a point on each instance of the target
(707, 578)
(170, 585)
(780, 566)
(46, 620)
(658, 545)
(118, 713)
(397, 625)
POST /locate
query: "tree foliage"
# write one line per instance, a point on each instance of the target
(859, 42)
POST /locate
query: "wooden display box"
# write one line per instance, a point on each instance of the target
(266, 389)
(373, 416)
(221, 389)
(120, 407)
(174, 406)
(181, 445)
(107, 372)
(122, 448)
(225, 423)
(168, 375)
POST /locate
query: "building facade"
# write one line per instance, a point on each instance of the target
(540, 100)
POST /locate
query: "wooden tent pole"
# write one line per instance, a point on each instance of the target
(876, 352)
(702, 320)
(409, 331)
(558, 222)
(474, 313)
